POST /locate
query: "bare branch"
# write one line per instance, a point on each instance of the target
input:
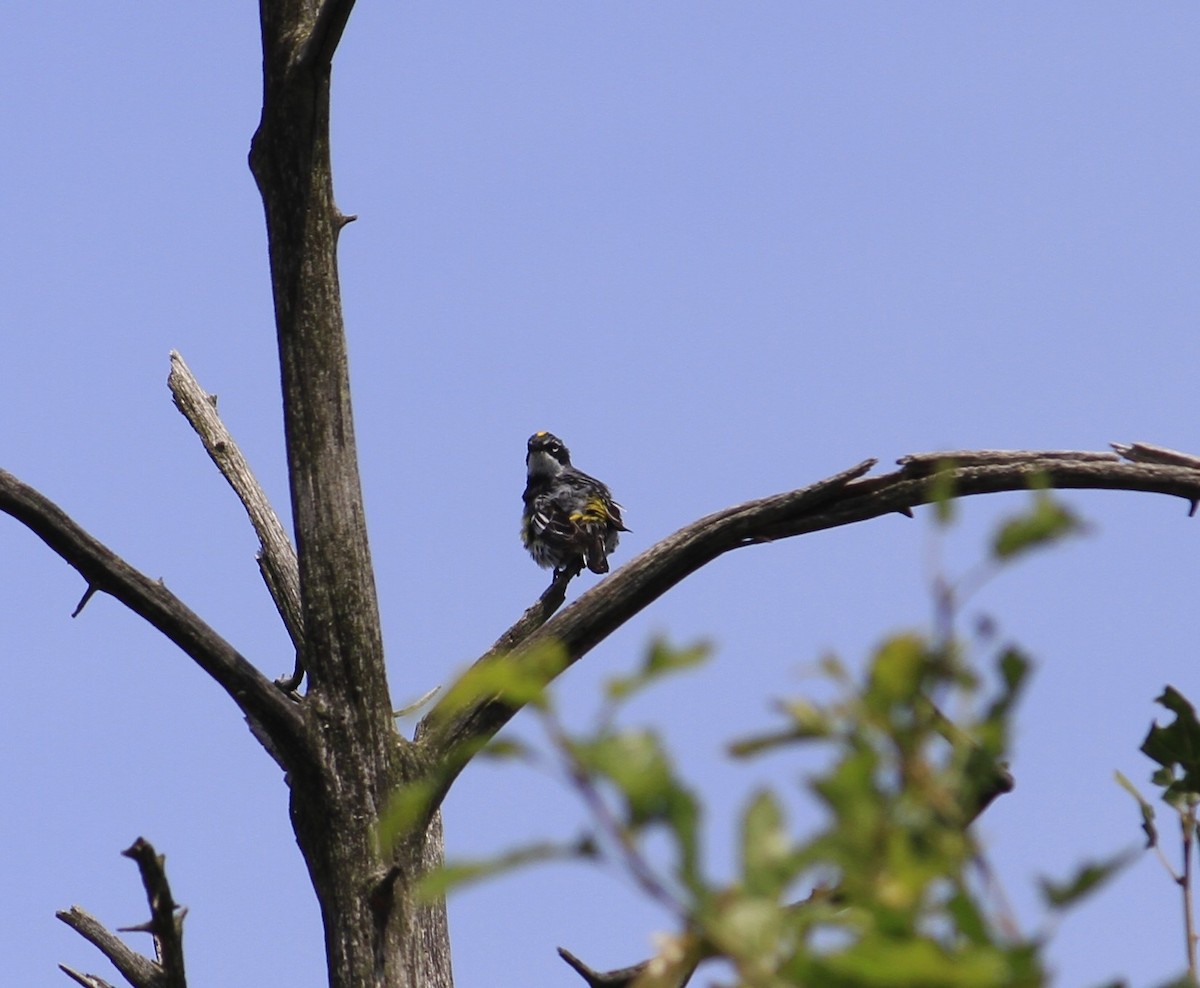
(258, 698)
(165, 925)
(621, 978)
(87, 980)
(277, 557)
(139, 971)
(450, 732)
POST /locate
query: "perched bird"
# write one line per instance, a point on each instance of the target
(568, 515)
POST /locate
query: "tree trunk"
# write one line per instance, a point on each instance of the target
(375, 933)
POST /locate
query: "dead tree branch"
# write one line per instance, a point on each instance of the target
(276, 557)
(274, 717)
(623, 977)
(165, 925)
(451, 731)
(87, 980)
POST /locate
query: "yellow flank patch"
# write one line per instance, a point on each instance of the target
(594, 511)
(540, 434)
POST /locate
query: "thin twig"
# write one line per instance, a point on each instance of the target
(87, 980)
(88, 594)
(1187, 820)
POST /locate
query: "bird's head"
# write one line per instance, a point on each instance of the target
(547, 455)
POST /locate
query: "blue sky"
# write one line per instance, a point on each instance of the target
(722, 250)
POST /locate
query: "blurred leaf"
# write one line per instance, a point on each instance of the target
(971, 921)
(942, 489)
(897, 671)
(991, 734)
(518, 678)
(1146, 808)
(1087, 878)
(850, 792)
(835, 669)
(672, 965)
(1047, 521)
(503, 749)
(635, 763)
(439, 881)
(1177, 744)
(768, 858)
(810, 723)
(917, 963)
(750, 929)
(1014, 670)
(661, 660)
(405, 810)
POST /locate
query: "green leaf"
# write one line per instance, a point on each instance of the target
(661, 660)
(436, 883)
(505, 749)
(749, 929)
(1087, 878)
(406, 809)
(942, 489)
(810, 723)
(768, 860)
(1179, 742)
(636, 764)
(517, 678)
(1147, 810)
(881, 962)
(1014, 670)
(969, 918)
(1046, 522)
(1176, 745)
(898, 671)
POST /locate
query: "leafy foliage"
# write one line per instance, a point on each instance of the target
(1175, 749)
(884, 892)
(1047, 522)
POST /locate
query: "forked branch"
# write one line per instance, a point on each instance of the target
(165, 925)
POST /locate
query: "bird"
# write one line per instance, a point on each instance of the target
(569, 517)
